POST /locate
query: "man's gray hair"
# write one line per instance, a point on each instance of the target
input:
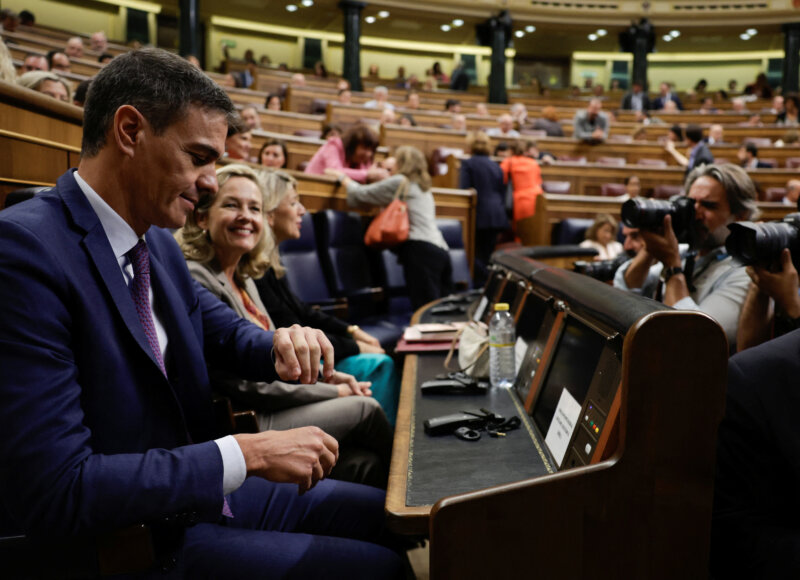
(738, 186)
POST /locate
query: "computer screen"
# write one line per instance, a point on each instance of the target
(570, 373)
(533, 334)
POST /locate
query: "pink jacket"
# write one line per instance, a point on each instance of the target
(331, 155)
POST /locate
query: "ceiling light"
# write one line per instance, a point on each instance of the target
(592, 37)
(383, 14)
(602, 32)
(752, 31)
(307, 3)
(530, 28)
(667, 38)
(291, 8)
(458, 22)
(369, 19)
(744, 36)
(674, 33)
(519, 33)
(445, 27)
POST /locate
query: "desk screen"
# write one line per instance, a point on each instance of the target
(572, 368)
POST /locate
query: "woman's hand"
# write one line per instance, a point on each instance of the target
(361, 335)
(348, 385)
(369, 348)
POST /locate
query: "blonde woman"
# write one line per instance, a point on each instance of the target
(602, 236)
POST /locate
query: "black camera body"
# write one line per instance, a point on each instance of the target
(649, 214)
(602, 270)
(761, 244)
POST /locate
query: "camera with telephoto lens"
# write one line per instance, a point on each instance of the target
(648, 214)
(761, 244)
(602, 270)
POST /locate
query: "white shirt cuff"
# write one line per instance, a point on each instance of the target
(234, 468)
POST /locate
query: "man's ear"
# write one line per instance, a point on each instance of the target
(270, 215)
(127, 127)
(201, 219)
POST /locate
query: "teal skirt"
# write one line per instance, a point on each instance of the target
(380, 369)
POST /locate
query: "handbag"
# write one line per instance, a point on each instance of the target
(390, 227)
(473, 350)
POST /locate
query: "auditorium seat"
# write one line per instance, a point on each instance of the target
(620, 139)
(758, 141)
(652, 162)
(792, 162)
(773, 163)
(612, 189)
(319, 106)
(666, 191)
(313, 133)
(451, 230)
(774, 194)
(438, 162)
(20, 195)
(556, 187)
(303, 271)
(615, 161)
(398, 304)
(572, 159)
(535, 133)
(571, 231)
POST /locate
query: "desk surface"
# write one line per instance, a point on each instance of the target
(425, 469)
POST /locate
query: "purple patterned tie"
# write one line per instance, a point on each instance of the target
(140, 292)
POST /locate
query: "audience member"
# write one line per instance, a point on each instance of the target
(602, 236)
(669, 107)
(79, 98)
(48, 83)
(716, 284)
(452, 106)
(732, 85)
(344, 97)
(273, 102)
(105, 58)
(479, 172)
(114, 424)
(424, 257)
(380, 99)
(26, 18)
(343, 84)
(738, 106)
(790, 117)
(636, 99)
(407, 120)
(697, 152)
(525, 176)
(459, 123)
(319, 70)
(74, 47)
(707, 107)
(505, 128)
(373, 71)
(99, 42)
(543, 157)
(748, 157)
(502, 150)
(439, 74)
(240, 138)
(591, 125)
(549, 122)
(400, 80)
(665, 94)
(331, 130)
(298, 80)
(459, 81)
(675, 134)
(519, 114)
(58, 61)
(792, 193)
(633, 186)
(777, 105)
(250, 117)
(273, 154)
(388, 117)
(760, 88)
(716, 135)
(351, 155)
(481, 110)
(9, 20)
(34, 62)
(412, 100)
(225, 246)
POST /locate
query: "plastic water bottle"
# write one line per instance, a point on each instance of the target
(502, 366)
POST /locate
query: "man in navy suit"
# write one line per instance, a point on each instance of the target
(666, 94)
(105, 409)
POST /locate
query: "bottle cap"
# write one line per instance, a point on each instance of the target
(500, 306)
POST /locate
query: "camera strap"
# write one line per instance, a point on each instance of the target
(688, 268)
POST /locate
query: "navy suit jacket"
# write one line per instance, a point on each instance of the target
(658, 102)
(480, 172)
(92, 435)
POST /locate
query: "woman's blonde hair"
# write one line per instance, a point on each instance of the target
(7, 71)
(277, 186)
(478, 143)
(411, 162)
(601, 220)
(196, 243)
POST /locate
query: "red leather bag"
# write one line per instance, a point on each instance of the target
(390, 227)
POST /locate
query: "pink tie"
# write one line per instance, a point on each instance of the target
(140, 292)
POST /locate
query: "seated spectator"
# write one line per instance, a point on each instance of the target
(602, 236)
(48, 83)
(525, 176)
(250, 117)
(34, 62)
(412, 100)
(675, 134)
(79, 98)
(777, 105)
(452, 106)
(319, 70)
(105, 58)
(707, 107)
(760, 89)
(343, 84)
(549, 122)
(388, 117)
(26, 18)
(697, 152)
(636, 99)
(459, 123)
(543, 157)
(591, 125)
(459, 81)
(58, 61)
(373, 72)
(331, 130)
(789, 117)
(9, 20)
(502, 150)
(792, 193)
(407, 120)
(380, 99)
(400, 80)
(98, 41)
(273, 102)
(505, 128)
(485, 176)
(701, 86)
(739, 106)
(424, 257)
(519, 114)
(344, 97)
(273, 154)
(439, 74)
(716, 135)
(716, 284)
(356, 352)
(669, 107)
(237, 145)
(226, 247)
(351, 155)
(481, 110)
(665, 94)
(298, 80)
(748, 157)
(74, 47)
(633, 186)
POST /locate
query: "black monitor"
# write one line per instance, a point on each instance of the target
(534, 324)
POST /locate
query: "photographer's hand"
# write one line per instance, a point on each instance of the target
(664, 248)
(780, 286)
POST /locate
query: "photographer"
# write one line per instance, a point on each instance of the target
(715, 283)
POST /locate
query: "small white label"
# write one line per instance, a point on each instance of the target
(563, 424)
(484, 302)
(520, 348)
